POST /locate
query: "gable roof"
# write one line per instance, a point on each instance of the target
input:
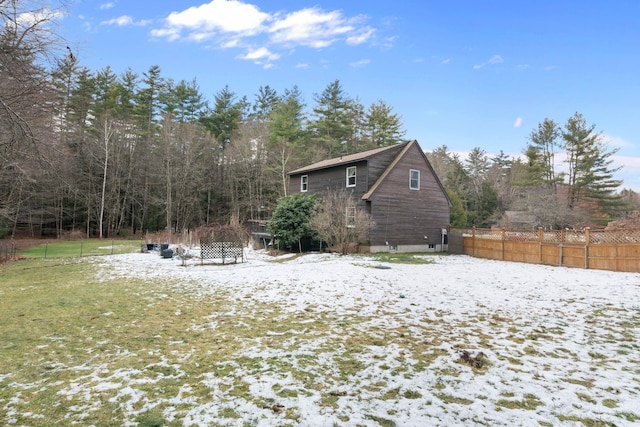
(350, 158)
(393, 164)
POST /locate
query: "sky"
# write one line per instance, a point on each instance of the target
(561, 345)
(460, 73)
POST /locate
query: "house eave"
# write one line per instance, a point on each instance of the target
(343, 160)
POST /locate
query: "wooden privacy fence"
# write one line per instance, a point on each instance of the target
(615, 250)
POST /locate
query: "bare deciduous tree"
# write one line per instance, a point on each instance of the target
(340, 223)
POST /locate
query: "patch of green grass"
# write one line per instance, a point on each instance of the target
(391, 394)
(610, 403)
(150, 419)
(228, 413)
(529, 402)
(447, 398)
(77, 248)
(589, 383)
(404, 258)
(412, 394)
(597, 356)
(439, 386)
(423, 357)
(287, 392)
(383, 422)
(586, 398)
(587, 422)
(629, 416)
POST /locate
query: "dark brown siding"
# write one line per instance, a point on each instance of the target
(332, 179)
(404, 216)
(379, 163)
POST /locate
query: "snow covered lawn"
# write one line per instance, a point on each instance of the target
(324, 340)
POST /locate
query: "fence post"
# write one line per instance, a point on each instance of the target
(562, 236)
(473, 241)
(587, 241)
(540, 235)
(502, 238)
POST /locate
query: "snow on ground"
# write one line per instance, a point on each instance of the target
(562, 344)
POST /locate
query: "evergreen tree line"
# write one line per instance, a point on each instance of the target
(103, 154)
(564, 178)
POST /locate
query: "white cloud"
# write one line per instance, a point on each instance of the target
(125, 21)
(105, 6)
(495, 59)
(302, 65)
(629, 172)
(39, 16)
(363, 36)
(311, 27)
(388, 42)
(226, 16)
(445, 61)
(240, 25)
(361, 63)
(615, 141)
(517, 123)
(260, 54)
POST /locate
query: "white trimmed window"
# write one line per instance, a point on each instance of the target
(351, 176)
(414, 179)
(304, 183)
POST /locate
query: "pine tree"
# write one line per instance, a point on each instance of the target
(224, 119)
(286, 133)
(590, 174)
(541, 152)
(266, 100)
(332, 126)
(384, 126)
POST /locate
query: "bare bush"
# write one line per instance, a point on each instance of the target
(339, 222)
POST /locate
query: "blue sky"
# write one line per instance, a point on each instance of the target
(461, 73)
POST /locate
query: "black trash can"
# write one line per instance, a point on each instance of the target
(167, 253)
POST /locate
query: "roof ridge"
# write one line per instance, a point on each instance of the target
(349, 158)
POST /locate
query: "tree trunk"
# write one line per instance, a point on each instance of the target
(107, 132)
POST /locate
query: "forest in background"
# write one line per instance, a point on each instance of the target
(100, 153)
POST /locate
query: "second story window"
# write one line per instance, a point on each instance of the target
(414, 179)
(304, 183)
(351, 176)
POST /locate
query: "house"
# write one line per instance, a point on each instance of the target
(396, 185)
